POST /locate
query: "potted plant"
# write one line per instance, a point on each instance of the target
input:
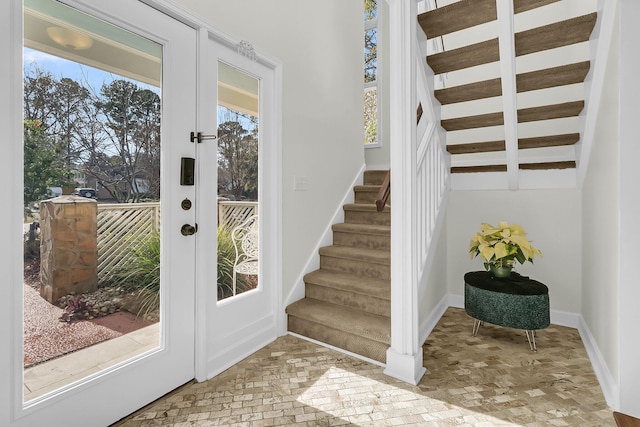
(500, 247)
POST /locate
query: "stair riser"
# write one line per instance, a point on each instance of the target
(356, 240)
(364, 217)
(366, 303)
(368, 197)
(356, 267)
(374, 177)
(356, 344)
(365, 196)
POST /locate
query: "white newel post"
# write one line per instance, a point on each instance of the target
(404, 357)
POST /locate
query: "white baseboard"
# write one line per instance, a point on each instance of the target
(338, 349)
(610, 388)
(240, 345)
(433, 318)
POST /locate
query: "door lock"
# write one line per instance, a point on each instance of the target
(188, 229)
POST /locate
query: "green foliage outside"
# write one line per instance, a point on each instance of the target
(43, 165)
(143, 274)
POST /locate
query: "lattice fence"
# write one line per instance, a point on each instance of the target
(235, 213)
(121, 228)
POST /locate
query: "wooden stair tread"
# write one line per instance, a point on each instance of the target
(545, 112)
(552, 77)
(469, 92)
(457, 16)
(351, 283)
(548, 112)
(480, 168)
(375, 256)
(558, 34)
(548, 141)
(569, 164)
(523, 144)
(472, 122)
(464, 57)
(525, 82)
(547, 37)
(524, 5)
(370, 326)
(477, 147)
(362, 228)
(468, 13)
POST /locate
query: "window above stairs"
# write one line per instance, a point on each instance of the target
(511, 82)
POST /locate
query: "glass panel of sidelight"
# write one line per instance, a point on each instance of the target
(238, 143)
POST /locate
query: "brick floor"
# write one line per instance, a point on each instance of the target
(488, 380)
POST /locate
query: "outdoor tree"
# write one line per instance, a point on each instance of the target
(42, 163)
(238, 154)
(132, 129)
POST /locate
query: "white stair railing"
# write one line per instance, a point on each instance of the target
(433, 162)
(419, 186)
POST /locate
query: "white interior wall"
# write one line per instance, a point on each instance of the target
(552, 221)
(320, 46)
(600, 223)
(433, 289)
(629, 210)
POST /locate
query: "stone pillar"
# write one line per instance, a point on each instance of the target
(68, 246)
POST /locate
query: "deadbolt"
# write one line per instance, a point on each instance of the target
(186, 204)
(188, 229)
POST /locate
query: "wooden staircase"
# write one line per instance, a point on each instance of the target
(347, 301)
(471, 108)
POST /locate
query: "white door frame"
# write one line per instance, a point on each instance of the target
(212, 360)
(102, 405)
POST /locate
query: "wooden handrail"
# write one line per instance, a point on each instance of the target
(384, 193)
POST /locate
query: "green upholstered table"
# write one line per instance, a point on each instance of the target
(515, 302)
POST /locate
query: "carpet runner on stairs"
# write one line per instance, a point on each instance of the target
(347, 301)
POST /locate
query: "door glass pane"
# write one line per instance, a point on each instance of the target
(92, 115)
(238, 120)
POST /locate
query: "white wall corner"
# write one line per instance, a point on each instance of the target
(610, 388)
(565, 318)
(313, 262)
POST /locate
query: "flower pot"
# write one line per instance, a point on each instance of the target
(501, 271)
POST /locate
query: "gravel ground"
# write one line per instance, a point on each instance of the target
(46, 337)
(108, 315)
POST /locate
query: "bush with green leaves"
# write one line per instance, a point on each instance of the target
(142, 274)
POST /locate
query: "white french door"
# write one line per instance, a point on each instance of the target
(105, 395)
(238, 180)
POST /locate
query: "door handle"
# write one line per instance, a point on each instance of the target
(188, 229)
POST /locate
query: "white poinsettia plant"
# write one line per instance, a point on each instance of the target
(502, 245)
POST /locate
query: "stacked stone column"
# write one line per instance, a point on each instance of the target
(68, 246)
